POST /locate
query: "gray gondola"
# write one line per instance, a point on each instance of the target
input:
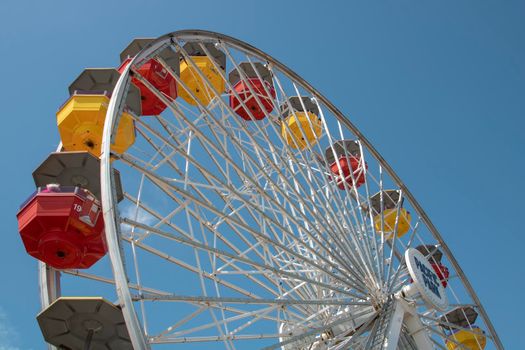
(79, 323)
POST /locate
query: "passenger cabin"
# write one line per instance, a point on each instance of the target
(201, 73)
(63, 227)
(157, 71)
(84, 323)
(252, 83)
(385, 207)
(301, 126)
(461, 331)
(346, 164)
(81, 119)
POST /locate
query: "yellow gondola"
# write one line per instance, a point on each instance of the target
(81, 119)
(385, 215)
(389, 224)
(301, 125)
(473, 339)
(81, 122)
(192, 79)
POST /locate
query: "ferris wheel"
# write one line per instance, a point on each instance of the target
(206, 196)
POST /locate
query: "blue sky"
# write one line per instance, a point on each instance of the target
(438, 87)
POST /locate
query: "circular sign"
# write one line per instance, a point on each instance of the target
(425, 279)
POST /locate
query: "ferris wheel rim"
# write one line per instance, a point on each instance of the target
(109, 204)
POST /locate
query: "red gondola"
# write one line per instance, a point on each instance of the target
(63, 227)
(345, 163)
(155, 73)
(259, 79)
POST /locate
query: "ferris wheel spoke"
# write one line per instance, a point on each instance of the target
(192, 185)
(135, 258)
(356, 241)
(180, 231)
(191, 268)
(311, 332)
(208, 275)
(364, 254)
(324, 200)
(401, 271)
(184, 233)
(203, 307)
(367, 216)
(212, 208)
(218, 252)
(229, 308)
(302, 258)
(199, 267)
(158, 151)
(162, 219)
(257, 314)
(365, 251)
(108, 280)
(374, 251)
(141, 297)
(392, 241)
(381, 252)
(248, 301)
(250, 88)
(354, 338)
(254, 315)
(254, 318)
(251, 315)
(213, 338)
(224, 259)
(180, 322)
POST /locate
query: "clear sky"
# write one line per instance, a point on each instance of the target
(437, 86)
